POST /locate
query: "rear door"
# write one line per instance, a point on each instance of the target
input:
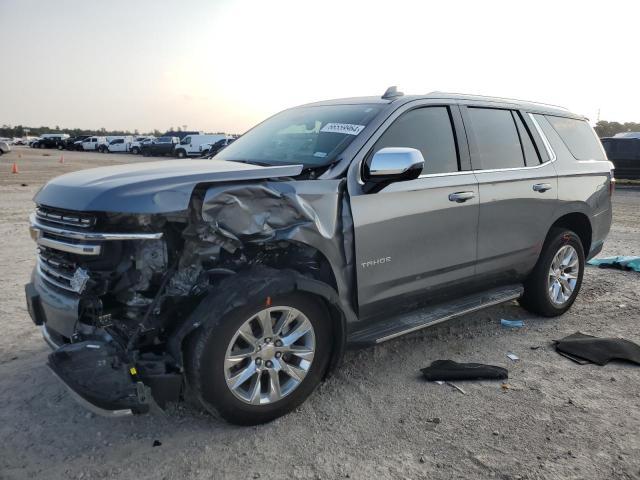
(412, 238)
(518, 191)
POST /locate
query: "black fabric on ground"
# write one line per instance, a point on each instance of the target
(448, 370)
(598, 350)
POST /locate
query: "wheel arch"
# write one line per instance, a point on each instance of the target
(579, 223)
(233, 291)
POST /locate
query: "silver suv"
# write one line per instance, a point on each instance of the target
(242, 279)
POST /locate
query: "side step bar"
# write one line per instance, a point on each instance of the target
(398, 325)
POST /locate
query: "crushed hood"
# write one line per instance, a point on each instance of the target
(147, 187)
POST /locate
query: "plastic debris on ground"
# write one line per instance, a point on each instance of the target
(513, 356)
(583, 349)
(511, 323)
(448, 370)
(619, 262)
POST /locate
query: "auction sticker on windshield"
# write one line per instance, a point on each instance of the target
(346, 128)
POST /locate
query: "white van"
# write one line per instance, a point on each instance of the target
(190, 145)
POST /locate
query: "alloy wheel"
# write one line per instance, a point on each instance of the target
(563, 274)
(270, 355)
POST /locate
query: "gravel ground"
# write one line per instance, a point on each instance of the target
(374, 418)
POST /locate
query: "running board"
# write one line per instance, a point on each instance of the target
(398, 325)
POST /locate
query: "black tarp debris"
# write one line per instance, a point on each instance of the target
(582, 348)
(446, 370)
(157, 443)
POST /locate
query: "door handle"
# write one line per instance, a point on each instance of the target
(460, 197)
(541, 187)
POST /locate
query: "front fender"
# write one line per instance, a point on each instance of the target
(232, 293)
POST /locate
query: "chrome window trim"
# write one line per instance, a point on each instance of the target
(78, 235)
(545, 141)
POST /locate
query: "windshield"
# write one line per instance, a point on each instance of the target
(311, 136)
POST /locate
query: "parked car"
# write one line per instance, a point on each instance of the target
(210, 149)
(92, 143)
(4, 147)
(190, 145)
(160, 147)
(246, 278)
(51, 140)
(137, 143)
(116, 144)
(624, 152)
(73, 143)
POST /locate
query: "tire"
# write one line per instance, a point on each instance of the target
(60, 147)
(145, 153)
(209, 374)
(181, 154)
(135, 150)
(546, 291)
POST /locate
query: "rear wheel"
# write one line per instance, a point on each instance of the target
(182, 154)
(262, 360)
(556, 279)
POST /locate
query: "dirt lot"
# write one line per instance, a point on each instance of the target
(375, 418)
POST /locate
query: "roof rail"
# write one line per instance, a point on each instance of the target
(500, 98)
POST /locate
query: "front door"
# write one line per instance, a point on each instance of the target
(415, 239)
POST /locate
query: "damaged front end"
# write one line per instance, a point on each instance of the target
(115, 293)
(97, 293)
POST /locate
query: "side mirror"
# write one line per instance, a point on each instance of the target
(391, 164)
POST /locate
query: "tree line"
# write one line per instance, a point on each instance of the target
(608, 129)
(22, 131)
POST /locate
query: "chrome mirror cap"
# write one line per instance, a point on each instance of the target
(392, 161)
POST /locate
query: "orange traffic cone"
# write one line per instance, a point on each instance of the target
(61, 158)
(14, 169)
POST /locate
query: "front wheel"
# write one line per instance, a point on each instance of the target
(135, 150)
(261, 360)
(555, 281)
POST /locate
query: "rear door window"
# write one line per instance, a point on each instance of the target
(496, 143)
(428, 129)
(578, 136)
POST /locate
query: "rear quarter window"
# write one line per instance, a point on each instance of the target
(578, 136)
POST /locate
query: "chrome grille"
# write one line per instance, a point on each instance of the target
(66, 241)
(62, 217)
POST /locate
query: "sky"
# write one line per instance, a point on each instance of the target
(225, 65)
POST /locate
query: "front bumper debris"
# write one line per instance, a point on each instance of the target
(96, 376)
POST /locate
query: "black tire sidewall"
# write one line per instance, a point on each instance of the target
(537, 285)
(207, 361)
